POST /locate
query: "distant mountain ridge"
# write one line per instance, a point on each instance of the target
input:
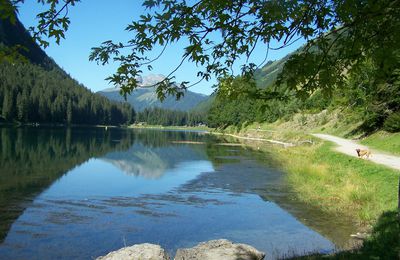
(145, 96)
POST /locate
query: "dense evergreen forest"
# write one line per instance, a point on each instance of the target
(165, 117)
(33, 89)
(28, 93)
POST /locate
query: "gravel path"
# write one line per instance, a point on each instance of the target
(349, 147)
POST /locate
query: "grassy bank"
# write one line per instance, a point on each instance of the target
(338, 183)
(335, 182)
(388, 142)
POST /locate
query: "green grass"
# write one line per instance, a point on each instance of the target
(384, 141)
(335, 182)
(338, 183)
(330, 180)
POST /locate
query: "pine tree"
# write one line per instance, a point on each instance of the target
(7, 110)
(20, 107)
(69, 112)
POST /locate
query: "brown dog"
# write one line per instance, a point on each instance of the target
(363, 152)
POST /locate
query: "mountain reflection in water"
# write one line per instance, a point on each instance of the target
(152, 163)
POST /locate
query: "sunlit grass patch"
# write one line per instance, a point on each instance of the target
(384, 141)
(338, 183)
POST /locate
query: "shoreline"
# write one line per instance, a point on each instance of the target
(367, 187)
(183, 128)
(285, 144)
(60, 125)
(338, 184)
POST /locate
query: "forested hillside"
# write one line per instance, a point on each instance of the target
(267, 75)
(14, 39)
(28, 93)
(34, 89)
(166, 117)
(368, 100)
(205, 105)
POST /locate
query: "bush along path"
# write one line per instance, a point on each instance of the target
(349, 147)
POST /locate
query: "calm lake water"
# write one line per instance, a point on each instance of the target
(82, 192)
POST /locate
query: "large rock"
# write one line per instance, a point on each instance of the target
(137, 252)
(221, 249)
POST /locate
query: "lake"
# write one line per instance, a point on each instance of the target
(79, 193)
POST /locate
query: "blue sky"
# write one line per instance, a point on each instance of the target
(95, 21)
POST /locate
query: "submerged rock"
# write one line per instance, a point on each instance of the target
(220, 249)
(141, 251)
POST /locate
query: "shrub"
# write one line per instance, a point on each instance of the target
(392, 123)
(372, 122)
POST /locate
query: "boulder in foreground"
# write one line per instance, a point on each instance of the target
(220, 249)
(141, 251)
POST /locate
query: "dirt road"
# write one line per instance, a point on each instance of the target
(349, 147)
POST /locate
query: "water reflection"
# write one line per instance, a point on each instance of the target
(120, 187)
(31, 159)
(152, 163)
